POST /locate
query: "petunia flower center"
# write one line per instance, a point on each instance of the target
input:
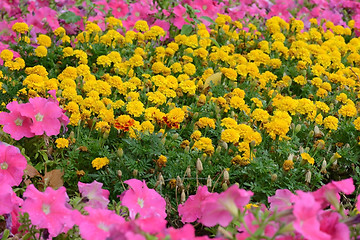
(4, 165)
(204, 7)
(103, 226)
(18, 122)
(46, 208)
(39, 117)
(140, 201)
(137, 14)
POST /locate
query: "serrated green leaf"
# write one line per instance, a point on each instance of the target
(208, 19)
(70, 17)
(186, 29)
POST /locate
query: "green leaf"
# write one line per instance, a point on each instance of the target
(208, 19)
(70, 17)
(186, 29)
(27, 236)
(6, 234)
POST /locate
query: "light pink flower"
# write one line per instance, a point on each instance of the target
(15, 124)
(282, 200)
(98, 197)
(190, 211)
(12, 165)
(220, 209)
(331, 225)
(45, 115)
(180, 16)
(139, 199)
(97, 225)
(48, 209)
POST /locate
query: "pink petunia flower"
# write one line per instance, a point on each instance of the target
(15, 124)
(98, 197)
(45, 116)
(12, 165)
(329, 193)
(282, 200)
(331, 225)
(190, 211)
(97, 225)
(9, 200)
(220, 209)
(48, 209)
(139, 199)
(306, 210)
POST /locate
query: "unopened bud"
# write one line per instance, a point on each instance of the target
(308, 176)
(307, 149)
(120, 152)
(301, 150)
(175, 136)
(317, 132)
(196, 115)
(161, 179)
(188, 172)
(218, 149)
(311, 134)
(334, 164)
(199, 165)
(72, 134)
(274, 177)
(209, 182)
(323, 167)
(292, 126)
(183, 196)
(119, 173)
(252, 143)
(223, 144)
(179, 182)
(163, 140)
(106, 135)
(135, 172)
(226, 176)
(291, 156)
(187, 149)
(224, 186)
(298, 128)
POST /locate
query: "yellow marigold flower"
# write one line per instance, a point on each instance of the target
(99, 163)
(196, 135)
(102, 126)
(135, 108)
(147, 126)
(44, 40)
(348, 110)
(306, 157)
(288, 164)
(141, 26)
(300, 80)
(204, 144)
(156, 98)
(239, 160)
(62, 143)
(188, 86)
(6, 55)
(103, 60)
(20, 27)
(357, 123)
(205, 122)
(60, 31)
(331, 123)
(41, 51)
(189, 69)
(161, 161)
(230, 135)
(113, 22)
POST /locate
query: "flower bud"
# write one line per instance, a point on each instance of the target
(223, 144)
(311, 134)
(120, 152)
(161, 179)
(199, 166)
(274, 177)
(135, 172)
(317, 132)
(175, 136)
(323, 167)
(308, 176)
(301, 150)
(224, 186)
(119, 173)
(106, 135)
(298, 128)
(218, 149)
(226, 176)
(188, 172)
(187, 149)
(291, 156)
(209, 182)
(179, 182)
(182, 196)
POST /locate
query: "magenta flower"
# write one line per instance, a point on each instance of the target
(9, 200)
(190, 211)
(45, 115)
(48, 209)
(151, 224)
(139, 199)
(98, 197)
(329, 193)
(282, 200)
(12, 165)
(331, 225)
(220, 209)
(15, 124)
(97, 225)
(306, 210)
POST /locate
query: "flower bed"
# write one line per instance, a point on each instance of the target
(219, 104)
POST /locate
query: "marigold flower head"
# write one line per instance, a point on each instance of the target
(44, 40)
(124, 122)
(99, 163)
(306, 157)
(62, 143)
(288, 164)
(230, 136)
(331, 123)
(141, 26)
(20, 27)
